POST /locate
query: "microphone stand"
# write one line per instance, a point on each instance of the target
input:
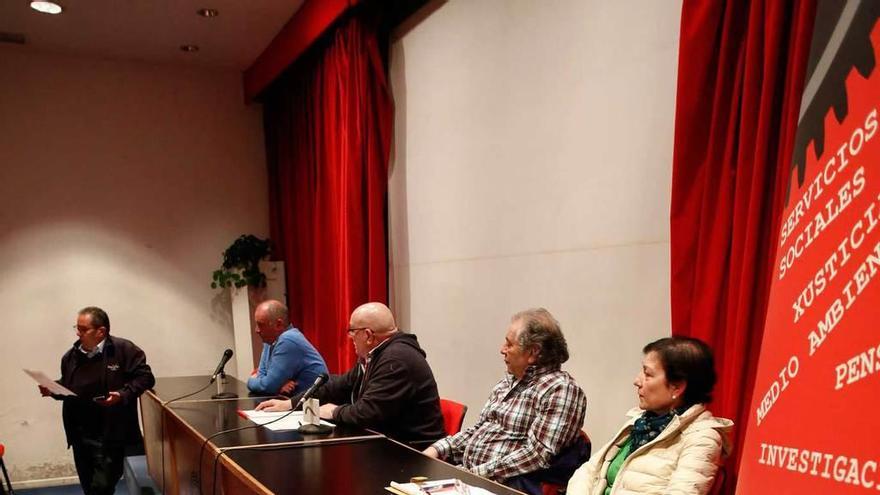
(309, 428)
(317, 429)
(221, 394)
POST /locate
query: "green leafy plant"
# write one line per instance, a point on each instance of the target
(241, 263)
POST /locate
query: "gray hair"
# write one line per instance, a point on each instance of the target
(541, 330)
(97, 316)
(276, 310)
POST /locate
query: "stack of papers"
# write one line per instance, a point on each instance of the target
(47, 382)
(292, 422)
(439, 487)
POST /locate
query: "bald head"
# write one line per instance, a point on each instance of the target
(375, 316)
(272, 319)
(273, 310)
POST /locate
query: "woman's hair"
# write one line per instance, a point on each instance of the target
(686, 359)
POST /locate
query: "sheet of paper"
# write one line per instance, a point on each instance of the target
(440, 487)
(50, 384)
(404, 488)
(291, 422)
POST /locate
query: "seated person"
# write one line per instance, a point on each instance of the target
(391, 389)
(289, 364)
(671, 443)
(532, 414)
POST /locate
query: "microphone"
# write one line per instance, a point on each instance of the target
(227, 355)
(310, 429)
(319, 382)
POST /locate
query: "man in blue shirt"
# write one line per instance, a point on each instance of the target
(289, 364)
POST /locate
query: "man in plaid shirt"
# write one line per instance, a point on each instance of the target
(533, 412)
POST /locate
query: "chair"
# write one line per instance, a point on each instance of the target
(5, 474)
(453, 415)
(718, 484)
(566, 463)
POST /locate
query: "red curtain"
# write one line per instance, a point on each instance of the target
(328, 130)
(740, 79)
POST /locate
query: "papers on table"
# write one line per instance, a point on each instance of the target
(404, 488)
(50, 384)
(292, 422)
(439, 487)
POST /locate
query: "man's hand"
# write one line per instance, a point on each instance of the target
(44, 391)
(431, 452)
(273, 405)
(326, 411)
(287, 388)
(113, 398)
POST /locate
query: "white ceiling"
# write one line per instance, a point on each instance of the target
(152, 30)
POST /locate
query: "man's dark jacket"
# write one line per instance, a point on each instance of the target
(395, 394)
(121, 367)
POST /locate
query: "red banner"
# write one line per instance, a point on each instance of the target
(818, 380)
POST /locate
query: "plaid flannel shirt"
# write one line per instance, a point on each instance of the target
(522, 426)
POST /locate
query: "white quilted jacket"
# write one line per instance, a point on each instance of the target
(683, 459)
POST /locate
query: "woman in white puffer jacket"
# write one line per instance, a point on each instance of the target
(671, 444)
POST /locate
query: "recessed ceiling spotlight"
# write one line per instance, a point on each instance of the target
(208, 12)
(47, 7)
(189, 48)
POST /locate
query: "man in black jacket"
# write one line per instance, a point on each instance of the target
(107, 374)
(391, 389)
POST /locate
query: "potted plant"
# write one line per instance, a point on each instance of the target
(241, 264)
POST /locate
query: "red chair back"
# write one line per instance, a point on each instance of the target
(718, 484)
(5, 474)
(453, 415)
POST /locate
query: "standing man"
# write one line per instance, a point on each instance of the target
(533, 413)
(391, 389)
(289, 364)
(107, 374)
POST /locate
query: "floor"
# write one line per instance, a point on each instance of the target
(134, 467)
(67, 490)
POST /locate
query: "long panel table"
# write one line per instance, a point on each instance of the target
(349, 460)
(357, 468)
(156, 441)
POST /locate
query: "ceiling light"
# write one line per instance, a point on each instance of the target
(46, 7)
(208, 12)
(189, 48)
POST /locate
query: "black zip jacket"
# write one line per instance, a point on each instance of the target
(396, 395)
(121, 367)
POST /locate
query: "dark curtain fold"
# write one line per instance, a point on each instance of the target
(740, 79)
(328, 131)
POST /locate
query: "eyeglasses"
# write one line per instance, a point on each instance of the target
(83, 329)
(353, 331)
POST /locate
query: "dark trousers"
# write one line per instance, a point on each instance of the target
(561, 468)
(98, 465)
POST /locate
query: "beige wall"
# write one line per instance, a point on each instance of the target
(533, 166)
(122, 183)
